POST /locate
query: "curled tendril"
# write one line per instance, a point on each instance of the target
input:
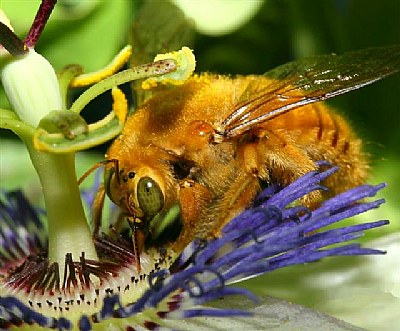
(188, 287)
(218, 275)
(198, 288)
(266, 194)
(200, 246)
(306, 213)
(156, 279)
(300, 215)
(271, 212)
(254, 235)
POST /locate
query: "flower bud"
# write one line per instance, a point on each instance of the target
(31, 86)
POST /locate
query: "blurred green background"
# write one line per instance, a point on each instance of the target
(91, 32)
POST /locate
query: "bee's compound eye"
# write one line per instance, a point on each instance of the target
(150, 197)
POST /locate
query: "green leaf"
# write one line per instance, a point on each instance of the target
(160, 27)
(154, 32)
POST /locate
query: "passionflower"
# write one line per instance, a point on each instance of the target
(55, 274)
(274, 233)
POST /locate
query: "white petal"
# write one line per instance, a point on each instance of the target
(269, 314)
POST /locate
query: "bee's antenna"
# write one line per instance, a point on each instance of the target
(98, 165)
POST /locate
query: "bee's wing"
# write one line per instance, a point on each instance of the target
(306, 81)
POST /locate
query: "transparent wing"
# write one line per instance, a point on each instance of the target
(305, 81)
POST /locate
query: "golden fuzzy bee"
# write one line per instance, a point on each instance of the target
(207, 148)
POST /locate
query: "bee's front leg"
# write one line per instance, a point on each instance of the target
(97, 209)
(193, 198)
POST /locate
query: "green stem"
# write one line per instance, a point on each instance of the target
(68, 229)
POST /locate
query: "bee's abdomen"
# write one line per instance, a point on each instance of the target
(338, 144)
(317, 133)
(334, 141)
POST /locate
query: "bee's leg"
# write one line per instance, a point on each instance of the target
(97, 210)
(193, 197)
(235, 200)
(120, 223)
(205, 215)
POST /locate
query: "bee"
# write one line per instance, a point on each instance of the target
(204, 150)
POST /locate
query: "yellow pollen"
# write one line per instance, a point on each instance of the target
(116, 64)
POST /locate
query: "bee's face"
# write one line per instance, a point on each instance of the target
(139, 193)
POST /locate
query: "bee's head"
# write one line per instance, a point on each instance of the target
(139, 192)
